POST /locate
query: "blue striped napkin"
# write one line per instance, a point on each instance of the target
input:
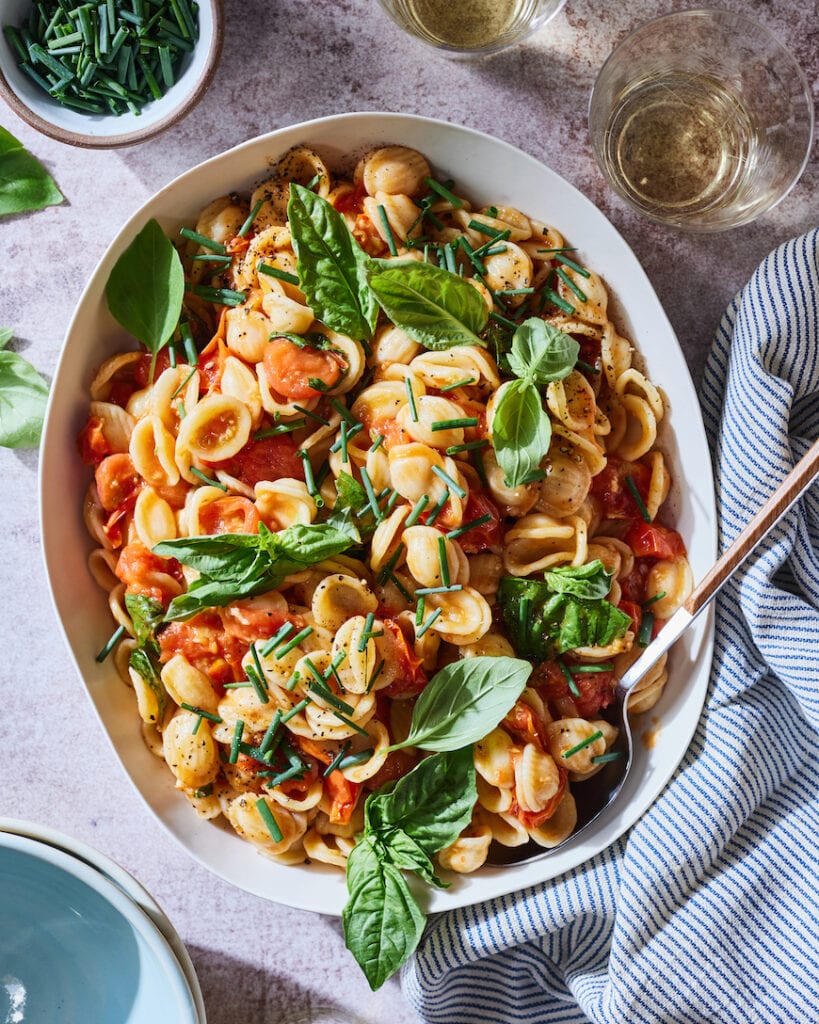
(707, 911)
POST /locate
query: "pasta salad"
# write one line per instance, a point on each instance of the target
(379, 510)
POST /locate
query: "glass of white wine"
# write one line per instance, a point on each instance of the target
(471, 28)
(701, 119)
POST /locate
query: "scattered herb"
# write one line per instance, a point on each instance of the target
(25, 184)
(23, 397)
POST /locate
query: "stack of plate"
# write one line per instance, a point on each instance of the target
(80, 940)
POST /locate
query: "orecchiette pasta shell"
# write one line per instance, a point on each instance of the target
(393, 169)
(560, 826)
(191, 756)
(217, 428)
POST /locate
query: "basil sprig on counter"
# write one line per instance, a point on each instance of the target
(236, 565)
(566, 611)
(25, 184)
(406, 823)
(434, 306)
(332, 265)
(521, 428)
(146, 287)
(23, 397)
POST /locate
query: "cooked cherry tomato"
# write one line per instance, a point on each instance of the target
(290, 369)
(92, 443)
(343, 796)
(352, 201)
(523, 723)
(231, 514)
(270, 458)
(116, 478)
(398, 763)
(479, 538)
(611, 489)
(147, 573)
(651, 540)
(596, 689)
(411, 678)
(257, 618)
(141, 368)
(635, 611)
(206, 645)
(633, 586)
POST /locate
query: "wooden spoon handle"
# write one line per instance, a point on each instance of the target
(787, 494)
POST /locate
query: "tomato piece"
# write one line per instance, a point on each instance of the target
(651, 540)
(269, 458)
(411, 678)
(256, 618)
(532, 819)
(352, 201)
(343, 796)
(174, 494)
(488, 534)
(610, 488)
(91, 442)
(206, 645)
(633, 586)
(635, 611)
(146, 573)
(116, 479)
(523, 723)
(596, 689)
(397, 765)
(231, 514)
(141, 368)
(290, 369)
(367, 236)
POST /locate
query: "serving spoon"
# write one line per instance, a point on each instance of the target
(592, 800)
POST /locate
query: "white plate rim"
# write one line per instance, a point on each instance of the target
(204, 842)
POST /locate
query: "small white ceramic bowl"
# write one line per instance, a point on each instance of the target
(106, 131)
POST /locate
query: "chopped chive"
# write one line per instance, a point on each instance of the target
(638, 499)
(420, 607)
(463, 421)
(450, 588)
(258, 682)
(444, 193)
(503, 321)
(266, 745)
(295, 710)
(570, 263)
(439, 507)
(345, 456)
(377, 443)
(646, 629)
(350, 434)
(411, 397)
(458, 384)
(237, 686)
(349, 722)
(165, 65)
(485, 229)
(402, 590)
(492, 248)
(597, 735)
(557, 300)
(611, 755)
(564, 248)
(223, 261)
(294, 771)
(391, 503)
(651, 600)
(204, 241)
(353, 759)
(471, 525)
(201, 712)
(331, 767)
(570, 284)
(211, 481)
(281, 275)
(344, 412)
(449, 258)
(447, 479)
(417, 510)
(281, 634)
(322, 690)
(598, 667)
(180, 408)
(309, 479)
(243, 230)
(294, 641)
(515, 291)
(368, 487)
(238, 729)
(267, 817)
(191, 354)
(473, 259)
(469, 446)
(281, 428)
(581, 365)
(312, 415)
(385, 224)
(427, 623)
(569, 678)
(112, 643)
(386, 570)
(443, 561)
(375, 675)
(220, 296)
(311, 184)
(365, 633)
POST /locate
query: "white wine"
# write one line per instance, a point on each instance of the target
(679, 144)
(468, 24)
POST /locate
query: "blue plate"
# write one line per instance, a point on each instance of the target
(74, 948)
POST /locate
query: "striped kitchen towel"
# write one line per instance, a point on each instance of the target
(708, 910)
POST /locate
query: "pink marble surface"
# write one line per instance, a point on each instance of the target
(284, 62)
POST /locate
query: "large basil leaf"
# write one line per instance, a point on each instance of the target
(464, 701)
(146, 287)
(553, 623)
(521, 430)
(590, 581)
(331, 265)
(433, 803)
(407, 853)
(436, 308)
(24, 183)
(382, 921)
(541, 353)
(146, 615)
(23, 397)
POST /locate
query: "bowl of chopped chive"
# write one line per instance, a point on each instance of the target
(107, 73)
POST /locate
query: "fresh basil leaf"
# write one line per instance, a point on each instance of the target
(24, 183)
(23, 398)
(433, 803)
(146, 287)
(590, 581)
(436, 308)
(521, 430)
(464, 701)
(556, 622)
(299, 547)
(541, 353)
(141, 662)
(406, 853)
(331, 265)
(382, 921)
(224, 556)
(350, 493)
(146, 615)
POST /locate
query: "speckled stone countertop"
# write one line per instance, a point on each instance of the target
(283, 62)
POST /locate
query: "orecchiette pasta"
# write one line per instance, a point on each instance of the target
(275, 675)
